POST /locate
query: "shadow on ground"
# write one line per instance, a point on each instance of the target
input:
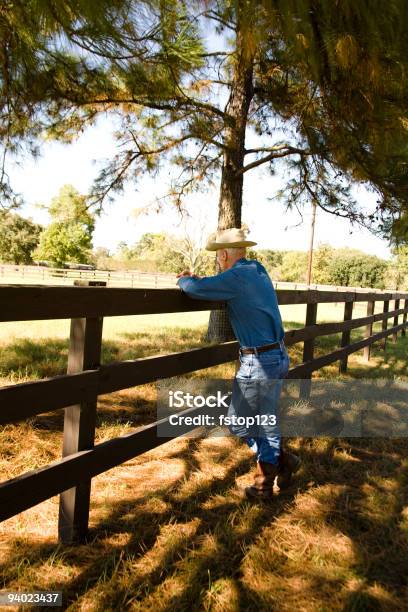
(178, 536)
(194, 544)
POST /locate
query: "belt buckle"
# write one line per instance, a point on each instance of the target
(241, 350)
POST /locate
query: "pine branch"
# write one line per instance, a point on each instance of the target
(216, 17)
(343, 212)
(273, 148)
(165, 147)
(100, 197)
(215, 54)
(270, 157)
(181, 190)
(184, 102)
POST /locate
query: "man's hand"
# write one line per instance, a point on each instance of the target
(184, 273)
(187, 273)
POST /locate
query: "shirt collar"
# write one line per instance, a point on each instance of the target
(241, 260)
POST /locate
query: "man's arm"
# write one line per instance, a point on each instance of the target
(222, 286)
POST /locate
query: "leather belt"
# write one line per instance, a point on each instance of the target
(259, 349)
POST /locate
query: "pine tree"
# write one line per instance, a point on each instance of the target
(322, 85)
(332, 78)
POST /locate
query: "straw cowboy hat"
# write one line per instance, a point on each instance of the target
(234, 237)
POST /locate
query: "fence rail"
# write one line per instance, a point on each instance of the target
(65, 276)
(86, 377)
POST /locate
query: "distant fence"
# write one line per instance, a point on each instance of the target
(66, 276)
(122, 278)
(86, 377)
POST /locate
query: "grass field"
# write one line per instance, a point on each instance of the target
(168, 529)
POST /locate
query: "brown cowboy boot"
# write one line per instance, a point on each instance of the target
(287, 466)
(263, 483)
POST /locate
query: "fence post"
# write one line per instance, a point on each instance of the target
(396, 317)
(369, 330)
(308, 350)
(345, 336)
(404, 317)
(385, 323)
(79, 427)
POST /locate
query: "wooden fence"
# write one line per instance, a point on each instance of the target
(127, 278)
(86, 377)
(65, 276)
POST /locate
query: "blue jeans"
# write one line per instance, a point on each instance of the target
(254, 406)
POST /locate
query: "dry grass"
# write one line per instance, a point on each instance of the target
(168, 530)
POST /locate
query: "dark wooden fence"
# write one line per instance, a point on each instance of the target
(86, 377)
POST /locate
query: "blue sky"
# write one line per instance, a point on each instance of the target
(39, 180)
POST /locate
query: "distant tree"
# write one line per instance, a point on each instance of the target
(128, 257)
(61, 243)
(348, 267)
(102, 258)
(322, 258)
(18, 238)
(293, 267)
(101, 252)
(399, 268)
(148, 254)
(169, 253)
(124, 251)
(271, 260)
(69, 206)
(358, 270)
(184, 254)
(176, 258)
(150, 245)
(252, 254)
(207, 265)
(345, 266)
(188, 250)
(69, 235)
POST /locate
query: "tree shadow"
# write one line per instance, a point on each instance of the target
(129, 516)
(362, 511)
(215, 549)
(24, 358)
(221, 528)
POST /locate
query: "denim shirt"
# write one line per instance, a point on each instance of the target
(251, 300)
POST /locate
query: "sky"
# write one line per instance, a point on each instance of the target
(270, 226)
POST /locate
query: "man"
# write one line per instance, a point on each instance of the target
(254, 314)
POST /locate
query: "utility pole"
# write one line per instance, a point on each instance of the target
(309, 263)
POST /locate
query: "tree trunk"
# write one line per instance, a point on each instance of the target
(230, 202)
